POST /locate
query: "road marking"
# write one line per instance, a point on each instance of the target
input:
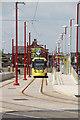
(23, 115)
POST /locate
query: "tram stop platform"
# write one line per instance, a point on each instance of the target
(65, 85)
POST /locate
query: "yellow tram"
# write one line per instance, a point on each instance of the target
(39, 67)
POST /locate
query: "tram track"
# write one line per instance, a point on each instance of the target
(41, 91)
(16, 104)
(25, 94)
(46, 94)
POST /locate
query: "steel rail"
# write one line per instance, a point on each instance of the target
(41, 90)
(23, 92)
(46, 94)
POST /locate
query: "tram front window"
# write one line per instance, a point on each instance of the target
(39, 65)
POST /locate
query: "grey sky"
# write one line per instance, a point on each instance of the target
(51, 16)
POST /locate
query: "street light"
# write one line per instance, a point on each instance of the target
(70, 44)
(65, 26)
(58, 53)
(76, 25)
(16, 53)
(62, 41)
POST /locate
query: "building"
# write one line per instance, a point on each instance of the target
(34, 49)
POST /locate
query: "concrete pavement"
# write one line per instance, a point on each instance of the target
(65, 84)
(34, 102)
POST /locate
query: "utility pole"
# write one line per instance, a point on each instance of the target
(52, 59)
(62, 42)
(77, 40)
(70, 45)
(65, 39)
(65, 26)
(16, 54)
(58, 58)
(55, 58)
(47, 61)
(45, 51)
(29, 53)
(27, 58)
(12, 55)
(24, 51)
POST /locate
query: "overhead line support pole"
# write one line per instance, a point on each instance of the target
(24, 51)
(58, 58)
(29, 53)
(16, 54)
(45, 51)
(27, 58)
(77, 41)
(12, 55)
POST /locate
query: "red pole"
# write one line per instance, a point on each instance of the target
(27, 58)
(58, 53)
(45, 51)
(52, 59)
(16, 54)
(24, 51)
(55, 58)
(29, 55)
(12, 55)
(70, 22)
(77, 42)
(47, 61)
(62, 42)
(65, 39)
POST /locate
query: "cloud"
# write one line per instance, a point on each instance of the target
(51, 16)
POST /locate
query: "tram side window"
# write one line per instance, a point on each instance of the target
(32, 64)
(46, 64)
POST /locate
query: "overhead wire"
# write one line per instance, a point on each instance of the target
(34, 18)
(35, 10)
